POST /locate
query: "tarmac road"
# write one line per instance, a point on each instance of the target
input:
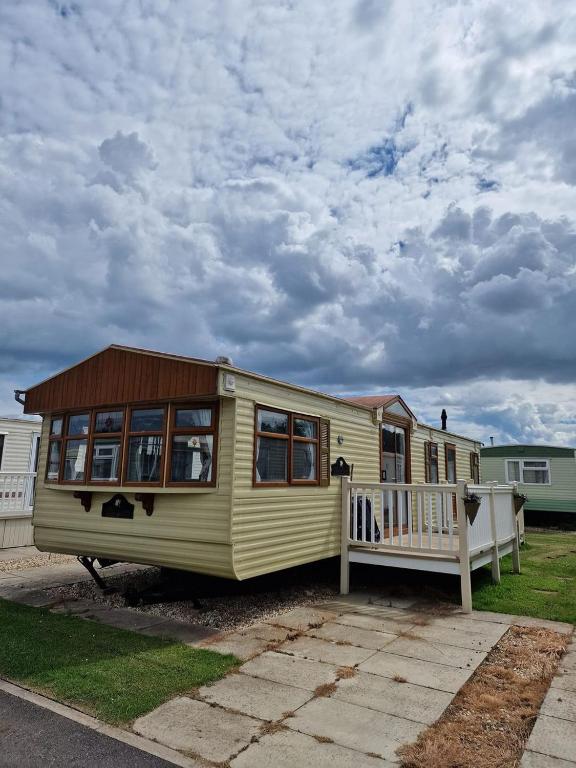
(34, 737)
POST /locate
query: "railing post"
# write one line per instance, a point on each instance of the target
(345, 535)
(464, 552)
(494, 529)
(516, 542)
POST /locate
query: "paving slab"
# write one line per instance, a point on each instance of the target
(287, 749)
(423, 673)
(323, 650)
(389, 624)
(302, 618)
(413, 702)
(565, 681)
(389, 601)
(553, 737)
(290, 670)
(255, 696)
(491, 629)
(561, 704)
(341, 633)
(439, 633)
(355, 727)
(196, 727)
(568, 663)
(536, 760)
(439, 653)
(243, 647)
(267, 632)
(122, 618)
(172, 629)
(32, 597)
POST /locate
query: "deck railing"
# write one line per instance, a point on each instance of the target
(429, 520)
(16, 493)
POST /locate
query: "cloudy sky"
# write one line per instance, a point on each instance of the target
(359, 196)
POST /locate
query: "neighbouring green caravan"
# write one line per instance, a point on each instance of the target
(545, 474)
(201, 466)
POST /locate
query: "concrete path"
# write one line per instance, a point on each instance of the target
(552, 743)
(344, 683)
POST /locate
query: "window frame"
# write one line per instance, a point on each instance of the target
(169, 411)
(128, 433)
(475, 467)
(291, 439)
(174, 430)
(429, 460)
(65, 438)
(451, 447)
(94, 436)
(521, 462)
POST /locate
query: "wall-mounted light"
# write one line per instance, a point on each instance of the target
(340, 439)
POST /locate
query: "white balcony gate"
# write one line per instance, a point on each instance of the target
(16, 494)
(425, 527)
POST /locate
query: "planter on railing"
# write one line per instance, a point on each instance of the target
(471, 506)
(519, 500)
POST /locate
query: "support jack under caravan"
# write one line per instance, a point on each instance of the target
(88, 563)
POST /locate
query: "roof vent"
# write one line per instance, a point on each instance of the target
(223, 360)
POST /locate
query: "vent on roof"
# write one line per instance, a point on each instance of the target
(223, 360)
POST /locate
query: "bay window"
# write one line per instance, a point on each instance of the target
(127, 446)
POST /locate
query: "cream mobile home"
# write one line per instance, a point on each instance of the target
(197, 465)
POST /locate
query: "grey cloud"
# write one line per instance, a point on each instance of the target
(183, 180)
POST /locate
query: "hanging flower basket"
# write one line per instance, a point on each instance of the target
(519, 500)
(471, 506)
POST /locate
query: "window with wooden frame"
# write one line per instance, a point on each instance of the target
(431, 462)
(290, 448)
(192, 447)
(1, 450)
(450, 460)
(475, 467)
(127, 446)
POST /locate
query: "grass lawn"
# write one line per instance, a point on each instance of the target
(111, 673)
(546, 588)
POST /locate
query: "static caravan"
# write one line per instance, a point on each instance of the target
(201, 466)
(19, 441)
(545, 474)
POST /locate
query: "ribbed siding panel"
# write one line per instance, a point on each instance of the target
(15, 532)
(464, 447)
(276, 528)
(561, 490)
(187, 531)
(17, 444)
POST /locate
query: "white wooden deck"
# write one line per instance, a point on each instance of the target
(425, 528)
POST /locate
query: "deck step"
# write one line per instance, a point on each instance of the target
(397, 552)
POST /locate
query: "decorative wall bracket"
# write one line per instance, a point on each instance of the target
(147, 500)
(85, 499)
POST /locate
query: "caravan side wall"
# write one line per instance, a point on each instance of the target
(464, 447)
(19, 436)
(276, 528)
(188, 530)
(559, 496)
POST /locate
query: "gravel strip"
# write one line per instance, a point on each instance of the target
(234, 606)
(43, 559)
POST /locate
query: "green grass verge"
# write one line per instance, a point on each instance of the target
(111, 673)
(546, 588)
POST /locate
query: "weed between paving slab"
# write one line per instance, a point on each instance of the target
(489, 721)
